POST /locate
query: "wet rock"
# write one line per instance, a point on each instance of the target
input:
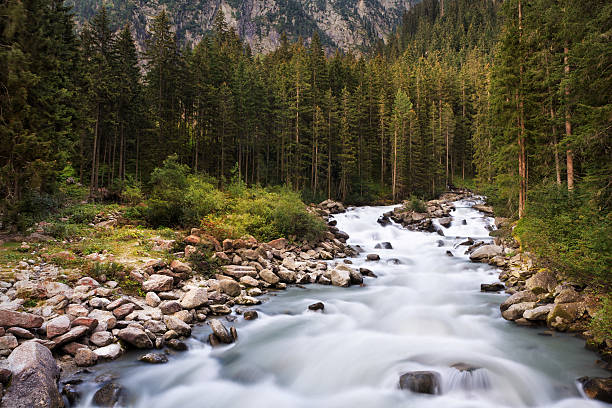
(34, 378)
(423, 382)
(516, 311)
(110, 352)
(109, 395)
(71, 393)
(487, 209)
(250, 315)
(445, 222)
(158, 283)
(232, 288)
(136, 337)
(491, 287)
(373, 257)
(449, 253)
(341, 276)
(542, 282)
(220, 331)
(84, 357)
(367, 272)
(196, 297)
(539, 313)
(485, 252)
(177, 345)
(384, 221)
(248, 300)
(464, 367)
(356, 277)
(10, 318)
(179, 326)
(384, 245)
(316, 306)
(220, 309)
(5, 375)
(154, 358)
(597, 388)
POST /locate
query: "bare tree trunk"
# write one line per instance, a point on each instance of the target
(93, 186)
(568, 124)
(521, 120)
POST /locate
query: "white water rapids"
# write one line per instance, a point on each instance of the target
(424, 313)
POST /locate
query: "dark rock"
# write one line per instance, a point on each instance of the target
(213, 340)
(491, 287)
(332, 223)
(445, 222)
(220, 331)
(84, 357)
(341, 235)
(468, 242)
(34, 379)
(384, 221)
(367, 272)
(136, 337)
(154, 358)
(234, 333)
(5, 375)
(373, 257)
(597, 388)
(70, 391)
(250, 315)
(423, 382)
(449, 253)
(109, 395)
(177, 345)
(440, 243)
(316, 306)
(384, 245)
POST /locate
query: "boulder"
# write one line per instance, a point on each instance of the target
(110, 352)
(74, 334)
(542, 282)
(597, 388)
(179, 326)
(539, 313)
(20, 332)
(34, 379)
(158, 283)
(250, 315)
(422, 382)
(136, 337)
(152, 299)
(445, 222)
(154, 358)
(564, 314)
(373, 257)
(180, 267)
(101, 339)
(356, 277)
(169, 307)
(9, 318)
(220, 331)
(516, 311)
(316, 306)
(518, 297)
(269, 277)
(58, 326)
(280, 243)
(341, 276)
(568, 295)
(122, 311)
(485, 252)
(230, 287)
(196, 297)
(109, 395)
(84, 357)
(491, 287)
(286, 275)
(249, 281)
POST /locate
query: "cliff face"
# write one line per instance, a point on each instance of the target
(346, 24)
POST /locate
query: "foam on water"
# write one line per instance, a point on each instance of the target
(425, 313)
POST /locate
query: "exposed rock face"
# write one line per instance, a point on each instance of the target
(34, 380)
(597, 388)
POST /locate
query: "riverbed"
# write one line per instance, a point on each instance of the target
(425, 311)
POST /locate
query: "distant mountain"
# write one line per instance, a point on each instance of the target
(346, 24)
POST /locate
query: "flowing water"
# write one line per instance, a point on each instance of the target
(423, 312)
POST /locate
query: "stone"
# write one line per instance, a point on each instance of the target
(539, 313)
(177, 345)
(99, 303)
(88, 322)
(220, 309)
(356, 278)
(238, 271)
(231, 287)
(269, 277)
(88, 281)
(154, 358)
(72, 348)
(195, 298)
(422, 382)
(34, 378)
(84, 357)
(373, 257)
(384, 245)
(367, 272)
(10, 318)
(316, 306)
(445, 222)
(280, 243)
(249, 281)
(220, 331)
(597, 388)
(101, 339)
(122, 311)
(169, 307)
(20, 332)
(110, 352)
(136, 337)
(250, 315)
(179, 326)
(106, 320)
(180, 267)
(568, 295)
(564, 314)
(158, 283)
(76, 310)
(8, 342)
(152, 299)
(542, 282)
(5, 375)
(491, 287)
(247, 300)
(485, 252)
(286, 275)
(109, 395)
(117, 303)
(518, 297)
(516, 311)
(341, 276)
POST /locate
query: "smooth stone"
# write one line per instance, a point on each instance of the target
(422, 382)
(220, 331)
(154, 358)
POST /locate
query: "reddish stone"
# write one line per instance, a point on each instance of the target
(88, 322)
(9, 318)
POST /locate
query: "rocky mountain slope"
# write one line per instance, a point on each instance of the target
(347, 24)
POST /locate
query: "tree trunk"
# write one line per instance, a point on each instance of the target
(568, 124)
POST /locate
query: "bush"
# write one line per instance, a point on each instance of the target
(601, 324)
(415, 204)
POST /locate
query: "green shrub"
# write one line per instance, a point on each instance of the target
(415, 204)
(601, 324)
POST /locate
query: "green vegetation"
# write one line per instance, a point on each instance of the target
(601, 325)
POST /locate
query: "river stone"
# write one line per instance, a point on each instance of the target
(220, 331)
(539, 313)
(542, 282)
(136, 337)
(286, 275)
(158, 283)
(74, 334)
(356, 278)
(445, 222)
(106, 320)
(152, 299)
(84, 357)
(367, 272)
(373, 257)
(516, 311)
(384, 245)
(177, 325)
(269, 277)
(154, 358)
(491, 287)
(423, 382)
(99, 303)
(250, 315)
(110, 352)
(231, 287)
(247, 300)
(316, 306)
(597, 388)
(109, 395)
(564, 314)
(9, 318)
(485, 252)
(220, 309)
(34, 379)
(122, 311)
(196, 297)
(518, 297)
(341, 276)
(101, 339)
(20, 332)
(249, 281)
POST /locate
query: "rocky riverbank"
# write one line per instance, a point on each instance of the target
(79, 324)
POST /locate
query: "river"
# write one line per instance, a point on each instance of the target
(424, 312)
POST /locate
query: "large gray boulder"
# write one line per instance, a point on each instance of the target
(34, 380)
(341, 276)
(542, 282)
(486, 252)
